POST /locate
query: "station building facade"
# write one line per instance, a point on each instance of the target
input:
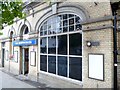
(66, 44)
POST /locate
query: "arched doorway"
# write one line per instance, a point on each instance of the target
(24, 61)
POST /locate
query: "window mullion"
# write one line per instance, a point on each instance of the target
(68, 55)
(74, 24)
(47, 54)
(56, 55)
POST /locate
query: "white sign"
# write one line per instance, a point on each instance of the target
(32, 58)
(96, 66)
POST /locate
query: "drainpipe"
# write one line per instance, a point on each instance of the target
(115, 50)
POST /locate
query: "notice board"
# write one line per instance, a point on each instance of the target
(96, 66)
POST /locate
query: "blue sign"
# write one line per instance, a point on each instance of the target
(25, 42)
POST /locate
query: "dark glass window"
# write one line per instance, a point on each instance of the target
(52, 45)
(65, 23)
(71, 21)
(61, 23)
(62, 66)
(64, 16)
(65, 29)
(43, 62)
(71, 28)
(77, 20)
(62, 44)
(26, 30)
(52, 64)
(11, 34)
(75, 44)
(41, 31)
(43, 45)
(71, 15)
(75, 68)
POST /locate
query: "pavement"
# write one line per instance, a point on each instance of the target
(9, 80)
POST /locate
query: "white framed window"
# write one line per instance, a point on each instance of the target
(25, 32)
(61, 46)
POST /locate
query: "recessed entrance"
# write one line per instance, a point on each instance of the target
(25, 61)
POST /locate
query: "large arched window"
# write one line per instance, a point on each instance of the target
(61, 46)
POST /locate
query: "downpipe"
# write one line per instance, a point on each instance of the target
(115, 50)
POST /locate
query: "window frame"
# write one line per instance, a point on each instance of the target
(68, 55)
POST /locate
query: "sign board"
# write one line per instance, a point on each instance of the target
(25, 42)
(96, 66)
(32, 58)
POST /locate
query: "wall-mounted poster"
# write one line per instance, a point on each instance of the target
(6, 55)
(16, 56)
(32, 58)
(96, 66)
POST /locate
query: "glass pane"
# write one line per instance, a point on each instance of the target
(59, 30)
(62, 44)
(43, 62)
(26, 30)
(52, 64)
(49, 32)
(45, 27)
(71, 21)
(65, 29)
(43, 45)
(54, 26)
(45, 32)
(60, 17)
(77, 20)
(65, 23)
(78, 27)
(65, 16)
(75, 68)
(71, 15)
(62, 66)
(71, 28)
(75, 43)
(49, 26)
(41, 31)
(52, 45)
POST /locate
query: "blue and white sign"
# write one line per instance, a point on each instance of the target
(25, 42)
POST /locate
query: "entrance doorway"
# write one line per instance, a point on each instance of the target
(25, 61)
(3, 56)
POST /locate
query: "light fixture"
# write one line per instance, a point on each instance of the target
(89, 43)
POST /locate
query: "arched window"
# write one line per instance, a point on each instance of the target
(61, 46)
(11, 34)
(26, 30)
(11, 41)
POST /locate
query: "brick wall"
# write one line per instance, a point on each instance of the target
(105, 37)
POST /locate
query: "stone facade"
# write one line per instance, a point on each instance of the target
(97, 27)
